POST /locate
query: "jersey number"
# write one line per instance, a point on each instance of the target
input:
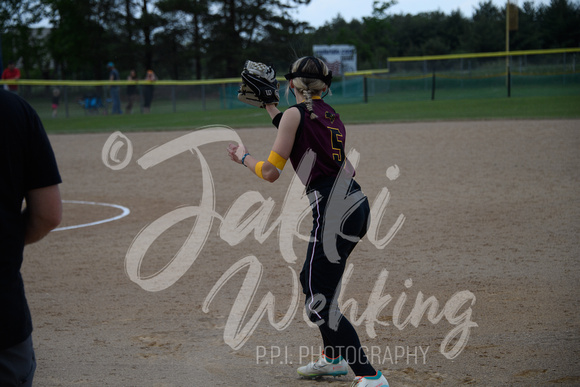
(336, 144)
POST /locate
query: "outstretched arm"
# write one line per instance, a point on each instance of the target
(269, 170)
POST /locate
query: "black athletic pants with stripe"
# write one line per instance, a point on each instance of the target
(320, 277)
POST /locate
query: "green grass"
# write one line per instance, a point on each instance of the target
(470, 109)
(373, 112)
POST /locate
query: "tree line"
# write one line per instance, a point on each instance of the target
(203, 39)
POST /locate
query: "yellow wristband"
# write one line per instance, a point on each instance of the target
(258, 169)
(277, 160)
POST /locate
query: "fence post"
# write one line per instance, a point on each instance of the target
(433, 86)
(66, 100)
(425, 74)
(365, 89)
(509, 82)
(173, 98)
(564, 71)
(433, 82)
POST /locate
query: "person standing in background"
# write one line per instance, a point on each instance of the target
(11, 72)
(115, 91)
(28, 171)
(132, 91)
(148, 91)
(55, 102)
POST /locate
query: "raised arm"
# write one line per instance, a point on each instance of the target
(272, 110)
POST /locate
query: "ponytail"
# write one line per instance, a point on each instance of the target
(311, 76)
(308, 101)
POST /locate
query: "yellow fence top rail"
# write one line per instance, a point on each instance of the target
(366, 72)
(54, 82)
(223, 81)
(483, 55)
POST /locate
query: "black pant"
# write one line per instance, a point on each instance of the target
(322, 272)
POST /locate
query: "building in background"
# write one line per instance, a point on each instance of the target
(340, 58)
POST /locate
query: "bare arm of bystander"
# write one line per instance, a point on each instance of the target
(43, 212)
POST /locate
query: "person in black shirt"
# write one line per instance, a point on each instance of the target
(132, 92)
(28, 172)
(115, 91)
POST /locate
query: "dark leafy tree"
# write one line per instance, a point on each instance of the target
(560, 23)
(237, 25)
(78, 40)
(187, 29)
(17, 40)
(183, 39)
(527, 36)
(487, 29)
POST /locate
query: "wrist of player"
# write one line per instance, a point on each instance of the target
(252, 164)
(243, 159)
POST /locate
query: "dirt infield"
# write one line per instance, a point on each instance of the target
(484, 219)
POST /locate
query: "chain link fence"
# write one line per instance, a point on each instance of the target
(474, 76)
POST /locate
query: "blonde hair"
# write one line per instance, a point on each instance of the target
(309, 86)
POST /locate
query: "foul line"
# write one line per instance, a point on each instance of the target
(125, 210)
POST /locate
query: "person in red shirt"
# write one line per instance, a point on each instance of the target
(11, 72)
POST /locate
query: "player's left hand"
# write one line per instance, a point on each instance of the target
(259, 85)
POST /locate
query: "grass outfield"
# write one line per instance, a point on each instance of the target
(360, 113)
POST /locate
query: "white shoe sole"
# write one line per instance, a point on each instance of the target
(314, 376)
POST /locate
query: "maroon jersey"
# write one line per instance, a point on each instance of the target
(326, 136)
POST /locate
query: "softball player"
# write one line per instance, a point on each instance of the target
(313, 125)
